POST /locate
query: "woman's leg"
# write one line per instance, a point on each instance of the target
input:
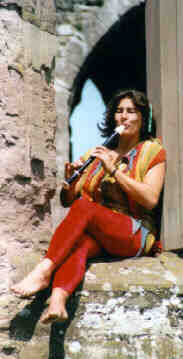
(70, 230)
(115, 232)
(36, 280)
(57, 307)
(107, 230)
(68, 276)
(66, 236)
(112, 232)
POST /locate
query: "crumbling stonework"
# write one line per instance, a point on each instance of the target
(124, 309)
(27, 141)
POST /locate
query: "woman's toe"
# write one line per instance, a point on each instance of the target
(50, 317)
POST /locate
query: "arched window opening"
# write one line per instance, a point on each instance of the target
(84, 119)
(117, 61)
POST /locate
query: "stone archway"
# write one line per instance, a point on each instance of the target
(84, 34)
(118, 60)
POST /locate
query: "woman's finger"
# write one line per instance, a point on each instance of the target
(77, 164)
(68, 169)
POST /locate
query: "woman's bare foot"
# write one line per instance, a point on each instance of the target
(36, 280)
(56, 310)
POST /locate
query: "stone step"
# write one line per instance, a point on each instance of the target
(124, 309)
(129, 309)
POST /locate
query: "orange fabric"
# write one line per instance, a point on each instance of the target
(161, 157)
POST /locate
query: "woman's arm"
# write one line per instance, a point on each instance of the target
(145, 193)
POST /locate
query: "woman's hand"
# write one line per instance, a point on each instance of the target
(67, 194)
(107, 157)
(71, 167)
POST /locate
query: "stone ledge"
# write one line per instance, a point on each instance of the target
(150, 273)
(128, 306)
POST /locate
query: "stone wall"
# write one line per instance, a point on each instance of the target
(124, 309)
(32, 94)
(28, 46)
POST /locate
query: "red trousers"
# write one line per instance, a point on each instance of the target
(87, 229)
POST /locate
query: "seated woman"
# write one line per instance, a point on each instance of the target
(112, 204)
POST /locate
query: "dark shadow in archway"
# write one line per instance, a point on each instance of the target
(118, 60)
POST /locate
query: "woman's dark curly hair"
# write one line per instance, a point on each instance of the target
(140, 101)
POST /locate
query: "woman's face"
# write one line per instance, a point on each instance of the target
(127, 114)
